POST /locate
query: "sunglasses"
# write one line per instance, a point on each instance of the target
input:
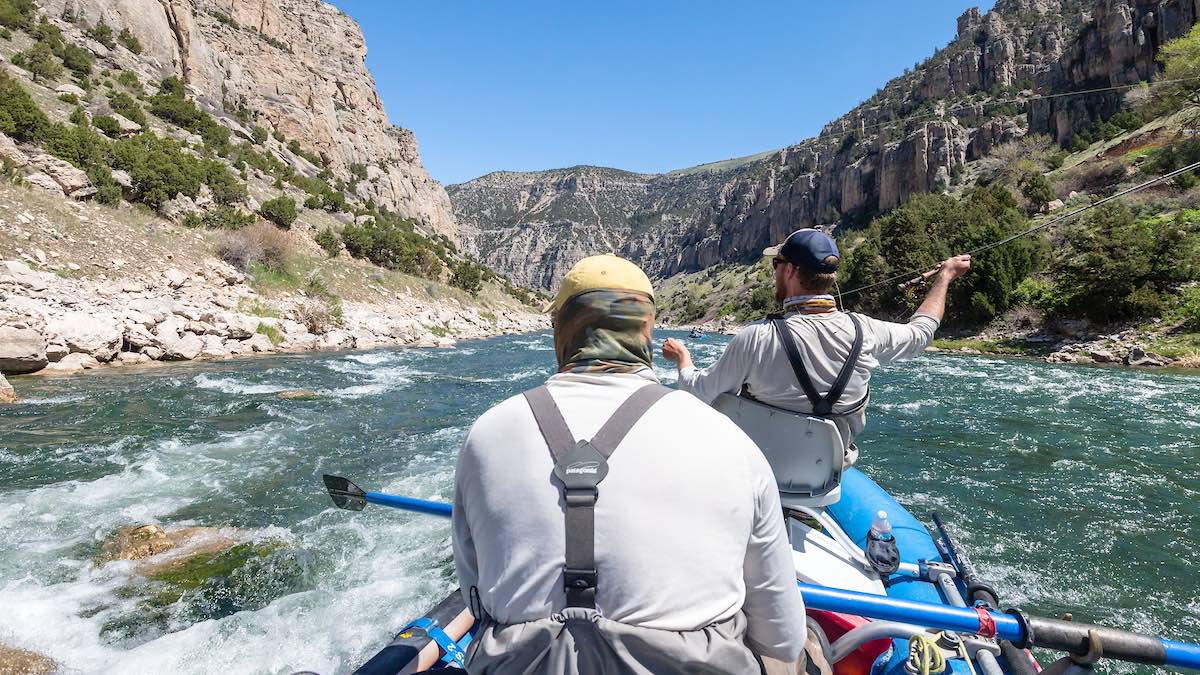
(776, 262)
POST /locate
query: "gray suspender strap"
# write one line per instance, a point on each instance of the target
(580, 466)
(821, 405)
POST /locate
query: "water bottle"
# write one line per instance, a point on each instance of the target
(881, 529)
(881, 546)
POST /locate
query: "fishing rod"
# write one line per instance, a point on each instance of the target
(1014, 626)
(922, 275)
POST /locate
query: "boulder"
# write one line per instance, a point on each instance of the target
(70, 89)
(44, 181)
(176, 209)
(132, 358)
(1103, 356)
(10, 151)
(128, 126)
(88, 333)
(336, 339)
(22, 350)
(240, 326)
(226, 273)
(72, 363)
(17, 272)
(1053, 205)
(25, 662)
(137, 337)
(1140, 357)
(7, 393)
(155, 353)
(72, 180)
(214, 347)
(55, 351)
(260, 343)
(187, 347)
(141, 542)
(122, 178)
(175, 278)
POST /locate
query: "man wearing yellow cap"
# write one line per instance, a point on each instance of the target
(604, 523)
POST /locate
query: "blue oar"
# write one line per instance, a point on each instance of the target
(1022, 630)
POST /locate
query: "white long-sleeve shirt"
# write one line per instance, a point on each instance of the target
(755, 357)
(688, 525)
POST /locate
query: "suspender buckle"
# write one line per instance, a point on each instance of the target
(577, 580)
(582, 496)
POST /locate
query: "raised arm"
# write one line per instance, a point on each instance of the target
(950, 269)
(726, 375)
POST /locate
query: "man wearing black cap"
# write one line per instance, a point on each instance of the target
(757, 360)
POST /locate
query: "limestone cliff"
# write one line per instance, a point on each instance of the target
(294, 66)
(914, 135)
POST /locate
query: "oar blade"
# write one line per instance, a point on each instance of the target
(345, 495)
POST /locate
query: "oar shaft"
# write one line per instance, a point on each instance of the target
(409, 504)
(886, 608)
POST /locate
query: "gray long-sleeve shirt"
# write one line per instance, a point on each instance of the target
(688, 524)
(755, 357)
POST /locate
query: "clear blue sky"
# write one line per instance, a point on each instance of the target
(649, 85)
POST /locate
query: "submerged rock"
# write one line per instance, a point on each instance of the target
(298, 395)
(7, 393)
(25, 662)
(140, 542)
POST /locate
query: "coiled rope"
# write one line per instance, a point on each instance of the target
(924, 655)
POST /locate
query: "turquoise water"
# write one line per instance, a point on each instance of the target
(1074, 488)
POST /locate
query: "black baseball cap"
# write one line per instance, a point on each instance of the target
(807, 248)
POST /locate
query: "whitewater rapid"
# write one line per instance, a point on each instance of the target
(1074, 488)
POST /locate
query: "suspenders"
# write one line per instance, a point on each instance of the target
(822, 406)
(579, 467)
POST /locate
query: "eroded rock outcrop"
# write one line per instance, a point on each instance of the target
(294, 66)
(954, 109)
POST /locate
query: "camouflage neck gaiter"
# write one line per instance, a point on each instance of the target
(604, 332)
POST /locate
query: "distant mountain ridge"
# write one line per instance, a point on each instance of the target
(913, 136)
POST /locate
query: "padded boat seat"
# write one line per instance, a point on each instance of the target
(805, 452)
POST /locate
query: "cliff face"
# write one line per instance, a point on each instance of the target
(297, 67)
(912, 137)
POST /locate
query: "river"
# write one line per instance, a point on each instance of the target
(1074, 488)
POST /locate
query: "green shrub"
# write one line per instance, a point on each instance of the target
(1117, 266)
(1189, 306)
(1186, 181)
(126, 106)
(108, 125)
(80, 145)
(172, 105)
(930, 228)
(78, 116)
(158, 168)
(358, 171)
(258, 135)
(280, 210)
(20, 117)
(226, 19)
(392, 243)
(226, 218)
(329, 241)
(312, 202)
(17, 13)
(40, 61)
(5, 32)
(468, 277)
(102, 33)
(131, 82)
(1038, 189)
(77, 59)
(130, 41)
(108, 191)
(68, 97)
(226, 188)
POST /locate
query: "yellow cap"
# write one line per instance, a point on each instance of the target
(601, 272)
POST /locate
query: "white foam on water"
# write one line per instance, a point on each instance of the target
(231, 385)
(52, 400)
(517, 376)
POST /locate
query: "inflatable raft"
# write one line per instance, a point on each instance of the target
(829, 546)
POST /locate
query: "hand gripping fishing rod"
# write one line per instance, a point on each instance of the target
(1015, 626)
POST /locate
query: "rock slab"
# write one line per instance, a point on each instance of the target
(22, 350)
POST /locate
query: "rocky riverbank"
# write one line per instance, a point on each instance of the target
(52, 323)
